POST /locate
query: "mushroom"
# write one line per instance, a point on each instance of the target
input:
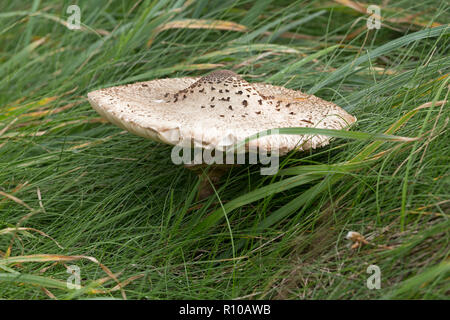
(214, 112)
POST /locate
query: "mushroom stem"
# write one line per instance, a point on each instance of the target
(209, 176)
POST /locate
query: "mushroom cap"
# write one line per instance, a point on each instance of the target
(218, 110)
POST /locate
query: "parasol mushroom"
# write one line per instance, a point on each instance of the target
(216, 111)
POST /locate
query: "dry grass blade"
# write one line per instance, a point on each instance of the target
(16, 200)
(60, 258)
(353, 5)
(51, 111)
(198, 24)
(49, 293)
(120, 285)
(37, 104)
(7, 126)
(66, 24)
(203, 24)
(292, 35)
(93, 143)
(38, 191)
(412, 18)
(16, 189)
(10, 230)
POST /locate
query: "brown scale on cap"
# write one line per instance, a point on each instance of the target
(212, 88)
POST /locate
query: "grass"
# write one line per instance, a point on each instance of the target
(75, 190)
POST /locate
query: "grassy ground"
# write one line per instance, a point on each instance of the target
(75, 190)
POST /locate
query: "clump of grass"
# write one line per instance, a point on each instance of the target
(75, 190)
